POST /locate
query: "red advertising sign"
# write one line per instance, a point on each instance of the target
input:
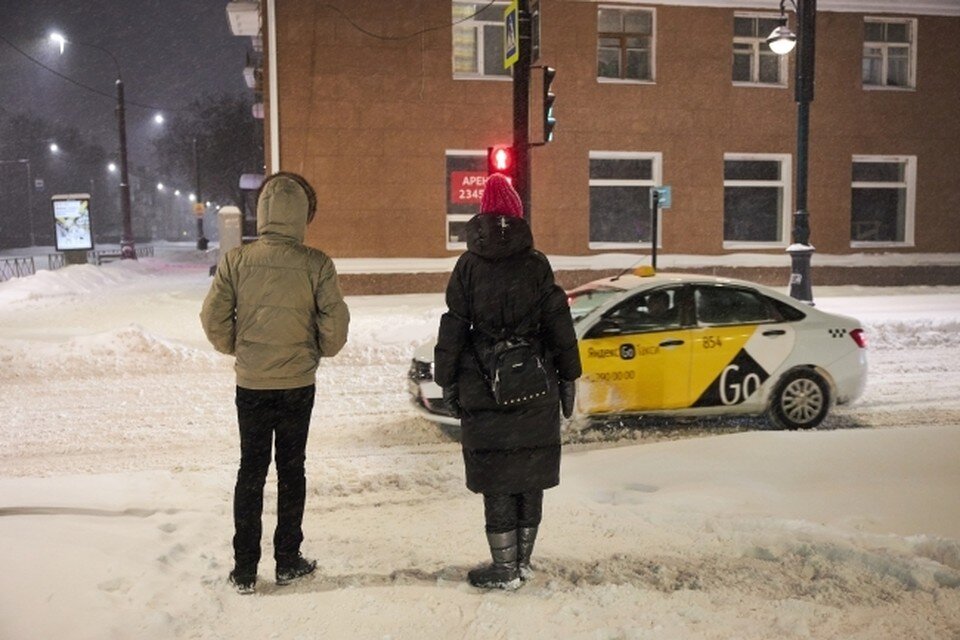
(466, 187)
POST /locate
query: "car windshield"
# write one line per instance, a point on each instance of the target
(586, 300)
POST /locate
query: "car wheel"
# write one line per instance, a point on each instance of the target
(801, 401)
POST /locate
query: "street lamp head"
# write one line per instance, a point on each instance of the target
(112, 167)
(54, 147)
(58, 39)
(159, 186)
(782, 40)
(158, 118)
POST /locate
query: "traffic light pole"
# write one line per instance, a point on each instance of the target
(521, 108)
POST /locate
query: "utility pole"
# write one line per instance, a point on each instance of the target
(198, 206)
(521, 107)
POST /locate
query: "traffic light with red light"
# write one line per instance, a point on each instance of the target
(500, 160)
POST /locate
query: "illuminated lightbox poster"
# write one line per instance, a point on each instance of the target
(71, 216)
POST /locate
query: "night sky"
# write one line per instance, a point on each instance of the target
(170, 53)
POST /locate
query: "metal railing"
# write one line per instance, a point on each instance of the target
(16, 268)
(19, 267)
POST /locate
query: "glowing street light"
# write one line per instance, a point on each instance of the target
(158, 118)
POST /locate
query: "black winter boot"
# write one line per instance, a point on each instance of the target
(287, 573)
(503, 573)
(526, 536)
(244, 580)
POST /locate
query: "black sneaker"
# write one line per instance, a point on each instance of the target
(243, 582)
(300, 567)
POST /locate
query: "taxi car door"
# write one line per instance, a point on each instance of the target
(733, 355)
(636, 357)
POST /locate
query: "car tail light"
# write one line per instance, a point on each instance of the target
(860, 337)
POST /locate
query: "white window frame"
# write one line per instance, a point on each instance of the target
(883, 46)
(457, 217)
(653, 43)
(469, 23)
(786, 202)
(757, 44)
(909, 183)
(654, 181)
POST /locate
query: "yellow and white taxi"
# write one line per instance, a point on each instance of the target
(681, 344)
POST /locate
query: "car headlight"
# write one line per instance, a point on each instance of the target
(420, 370)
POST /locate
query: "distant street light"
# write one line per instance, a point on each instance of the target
(159, 186)
(158, 118)
(782, 41)
(54, 147)
(127, 249)
(112, 167)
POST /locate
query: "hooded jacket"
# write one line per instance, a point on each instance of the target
(276, 304)
(502, 283)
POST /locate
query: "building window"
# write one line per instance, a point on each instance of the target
(466, 173)
(625, 44)
(478, 40)
(756, 211)
(753, 61)
(889, 53)
(620, 185)
(883, 192)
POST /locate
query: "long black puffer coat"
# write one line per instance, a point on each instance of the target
(501, 282)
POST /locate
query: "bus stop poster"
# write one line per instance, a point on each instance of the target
(71, 215)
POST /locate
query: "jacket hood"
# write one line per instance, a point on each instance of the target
(282, 209)
(496, 237)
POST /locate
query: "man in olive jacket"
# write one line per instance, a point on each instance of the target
(276, 306)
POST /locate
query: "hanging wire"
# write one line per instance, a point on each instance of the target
(333, 8)
(378, 36)
(105, 94)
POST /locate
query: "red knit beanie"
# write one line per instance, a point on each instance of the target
(500, 198)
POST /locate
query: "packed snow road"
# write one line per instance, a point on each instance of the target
(107, 368)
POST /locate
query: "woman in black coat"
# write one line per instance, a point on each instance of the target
(501, 285)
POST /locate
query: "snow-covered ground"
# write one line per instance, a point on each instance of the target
(118, 449)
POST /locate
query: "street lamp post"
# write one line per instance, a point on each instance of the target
(26, 163)
(781, 41)
(127, 248)
(202, 241)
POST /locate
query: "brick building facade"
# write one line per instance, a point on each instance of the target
(388, 108)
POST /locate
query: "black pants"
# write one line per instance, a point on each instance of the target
(508, 512)
(261, 414)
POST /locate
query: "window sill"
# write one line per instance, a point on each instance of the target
(483, 78)
(760, 85)
(877, 87)
(880, 245)
(753, 246)
(625, 81)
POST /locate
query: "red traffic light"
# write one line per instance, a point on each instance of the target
(499, 160)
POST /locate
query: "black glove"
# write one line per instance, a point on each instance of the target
(451, 398)
(568, 393)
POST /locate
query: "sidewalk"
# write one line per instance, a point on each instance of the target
(372, 276)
